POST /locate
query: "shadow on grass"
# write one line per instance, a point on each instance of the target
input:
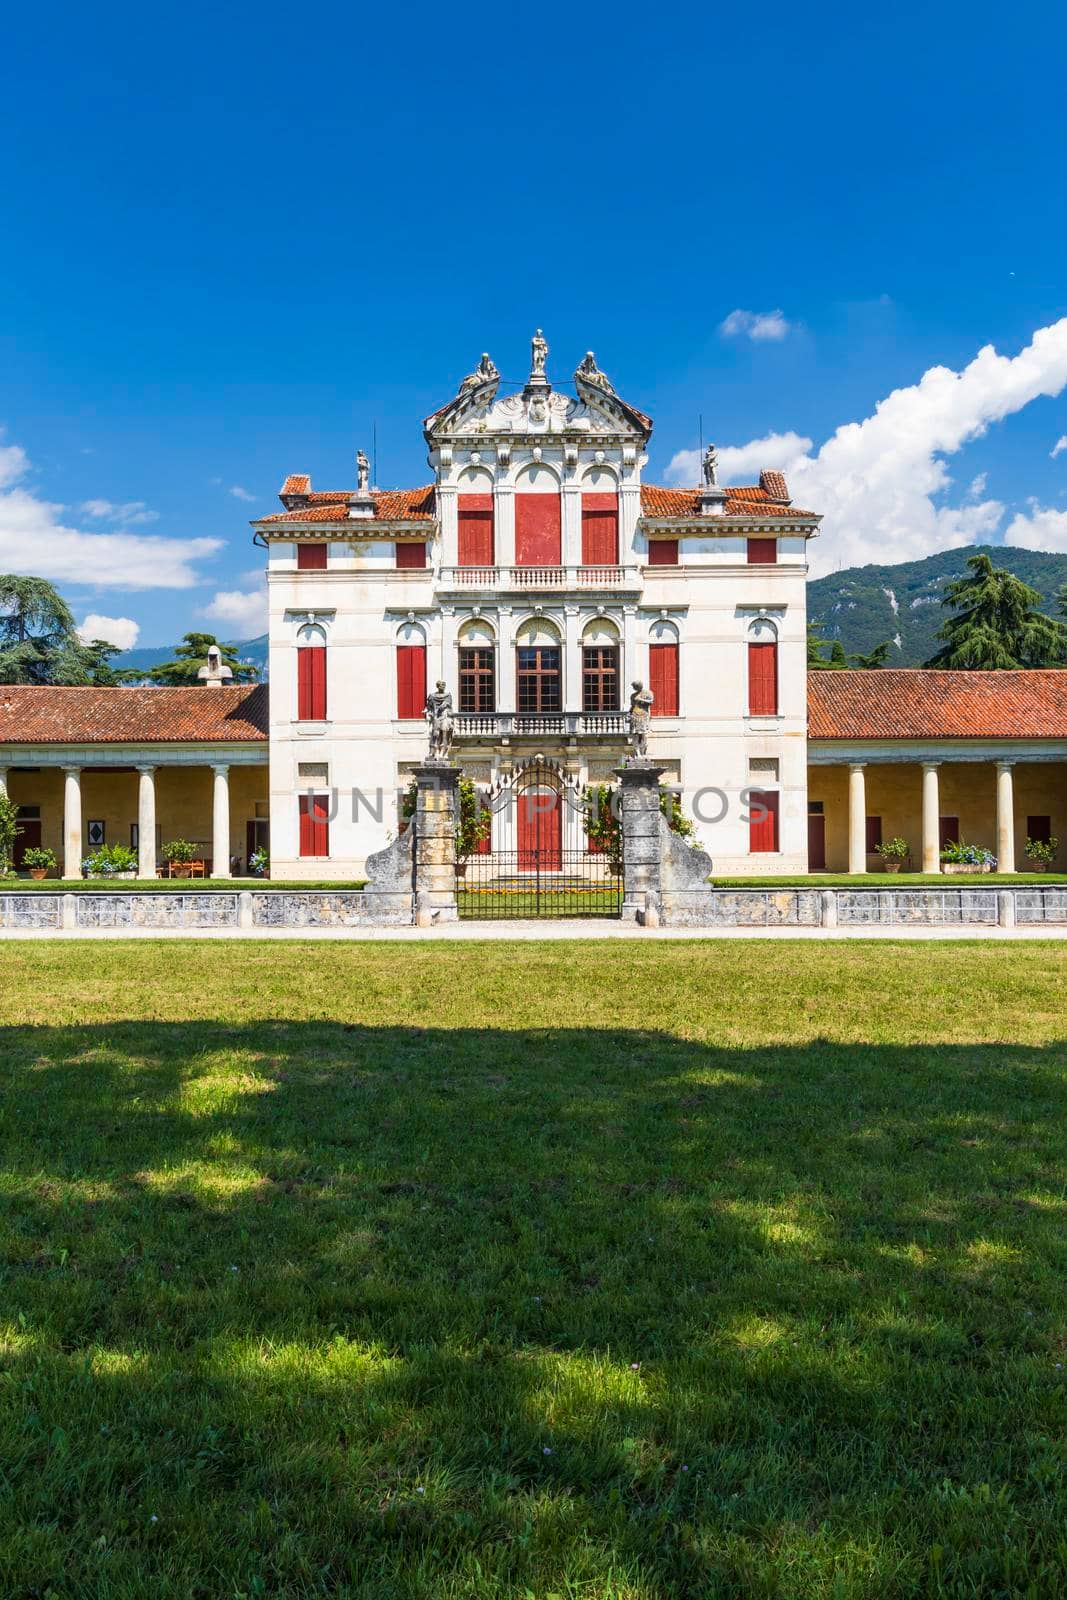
(420, 1312)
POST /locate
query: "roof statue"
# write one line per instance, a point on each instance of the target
(538, 357)
(485, 372)
(362, 472)
(215, 671)
(591, 373)
(710, 467)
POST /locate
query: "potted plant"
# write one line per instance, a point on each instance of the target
(960, 857)
(111, 861)
(39, 861)
(259, 863)
(894, 853)
(181, 854)
(1039, 852)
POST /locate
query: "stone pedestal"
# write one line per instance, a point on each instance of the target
(642, 851)
(436, 813)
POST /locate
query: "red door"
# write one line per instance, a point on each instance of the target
(816, 843)
(538, 532)
(29, 836)
(540, 829)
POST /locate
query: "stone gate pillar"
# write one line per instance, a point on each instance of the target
(436, 816)
(641, 848)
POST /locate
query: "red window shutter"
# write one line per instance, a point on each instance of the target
(763, 680)
(475, 530)
(538, 530)
(874, 834)
(311, 683)
(762, 552)
(663, 679)
(314, 825)
(600, 530)
(410, 680)
(763, 829)
(410, 555)
(310, 557)
(663, 552)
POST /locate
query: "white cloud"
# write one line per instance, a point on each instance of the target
(977, 486)
(1041, 529)
(125, 516)
(120, 631)
(244, 613)
(1059, 446)
(877, 481)
(33, 540)
(241, 494)
(758, 325)
(740, 462)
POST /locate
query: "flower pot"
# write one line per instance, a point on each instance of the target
(37, 873)
(181, 869)
(891, 866)
(1039, 866)
(961, 868)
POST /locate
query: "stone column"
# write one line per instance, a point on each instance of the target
(641, 848)
(931, 819)
(857, 817)
(571, 517)
(3, 780)
(504, 524)
(72, 822)
(572, 658)
(505, 664)
(1005, 817)
(146, 822)
(220, 823)
(436, 810)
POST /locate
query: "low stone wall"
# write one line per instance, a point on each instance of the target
(205, 912)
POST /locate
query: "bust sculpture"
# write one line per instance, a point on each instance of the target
(442, 724)
(640, 717)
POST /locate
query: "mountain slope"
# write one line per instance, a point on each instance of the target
(253, 651)
(861, 606)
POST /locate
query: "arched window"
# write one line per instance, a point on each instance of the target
(410, 671)
(600, 666)
(762, 668)
(311, 673)
(600, 519)
(538, 668)
(475, 513)
(663, 668)
(477, 667)
(538, 523)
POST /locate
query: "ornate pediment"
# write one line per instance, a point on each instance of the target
(479, 410)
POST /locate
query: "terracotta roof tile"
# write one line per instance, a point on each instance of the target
(32, 715)
(742, 500)
(390, 505)
(919, 703)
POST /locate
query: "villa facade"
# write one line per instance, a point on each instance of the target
(538, 575)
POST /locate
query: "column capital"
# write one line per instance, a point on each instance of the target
(857, 766)
(1005, 766)
(146, 766)
(221, 769)
(930, 766)
(69, 768)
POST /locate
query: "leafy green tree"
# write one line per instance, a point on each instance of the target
(996, 625)
(876, 658)
(816, 646)
(9, 830)
(1061, 599)
(189, 657)
(39, 642)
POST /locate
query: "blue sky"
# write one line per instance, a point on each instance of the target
(235, 237)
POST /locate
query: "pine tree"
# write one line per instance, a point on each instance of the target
(996, 626)
(876, 658)
(189, 657)
(39, 642)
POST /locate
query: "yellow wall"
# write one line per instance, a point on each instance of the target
(967, 791)
(183, 803)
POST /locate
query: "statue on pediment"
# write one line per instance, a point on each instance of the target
(591, 373)
(441, 721)
(485, 372)
(711, 467)
(641, 701)
(362, 472)
(538, 355)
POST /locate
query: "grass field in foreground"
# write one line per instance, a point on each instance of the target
(608, 1271)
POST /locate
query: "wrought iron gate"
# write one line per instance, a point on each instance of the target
(537, 861)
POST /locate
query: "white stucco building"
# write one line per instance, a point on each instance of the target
(538, 575)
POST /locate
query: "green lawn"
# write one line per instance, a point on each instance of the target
(161, 885)
(893, 880)
(611, 1271)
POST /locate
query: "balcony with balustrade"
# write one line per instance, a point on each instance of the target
(543, 580)
(613, 725)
